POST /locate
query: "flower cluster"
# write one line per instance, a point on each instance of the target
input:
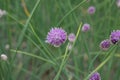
(56, 37)
(115, 36)
(71, 37)
(85, 27)
(91, 10)
(105, 44)
(114, 39)
(95, 76)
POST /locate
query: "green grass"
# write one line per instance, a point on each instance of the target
(25, 28)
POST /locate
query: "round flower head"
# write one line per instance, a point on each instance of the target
(85, 27)
(56, 37)
(105, 44)
(95, 76)
(71, 37)
(91, 10)
(115, 36)
(4, 57)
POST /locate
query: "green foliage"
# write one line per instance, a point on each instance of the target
(25, 28)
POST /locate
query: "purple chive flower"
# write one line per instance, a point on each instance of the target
(115, 36)
(71, 37)
(56, 37)
(105, 44)
(85, 27)
(91, 10)
(95, 76)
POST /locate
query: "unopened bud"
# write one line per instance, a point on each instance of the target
(4, 57)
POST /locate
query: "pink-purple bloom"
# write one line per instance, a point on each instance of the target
(105, 44)
(91, 10)
(115, 36)
(95, 76)
(56, 37)
(71, 37)
(85, 27)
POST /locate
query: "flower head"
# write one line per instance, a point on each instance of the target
(95, 76)
(71, 37)
(4, 57)
(105, 44)
(91, 10)
(85, 27)
(115, 36)
(56, 37)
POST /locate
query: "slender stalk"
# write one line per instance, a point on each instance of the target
(70, 12)
(65, 57)
(103, 63)
(25, 27)
(30, 54)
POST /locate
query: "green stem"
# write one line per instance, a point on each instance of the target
(64, 60)
(44, 48)
(102, 64)
(25, 27)
(27, 23)
(30, 54)
(70, 12)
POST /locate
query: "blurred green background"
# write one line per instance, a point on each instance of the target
(68, 14)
